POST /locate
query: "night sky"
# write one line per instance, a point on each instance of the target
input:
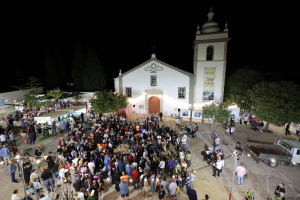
(263, 37)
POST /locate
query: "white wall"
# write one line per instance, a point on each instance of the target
(218, 80)
(168, 81)
(116, 80)
(219, 59)
(11, 97)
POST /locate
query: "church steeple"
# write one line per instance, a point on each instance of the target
(210, 26)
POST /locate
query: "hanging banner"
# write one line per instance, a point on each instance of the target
(209, 83)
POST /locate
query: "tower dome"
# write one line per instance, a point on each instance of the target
(210, 26)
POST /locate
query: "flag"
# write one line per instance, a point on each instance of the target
(45, 157)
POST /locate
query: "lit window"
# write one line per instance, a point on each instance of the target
(153, 80)
(209, 53)
(181, 93)
(128, 92)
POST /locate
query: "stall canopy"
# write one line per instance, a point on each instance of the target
(50, 116)
(73, 109)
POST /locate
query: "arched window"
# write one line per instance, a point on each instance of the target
(210, 53)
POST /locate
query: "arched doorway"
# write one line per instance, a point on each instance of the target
(154, 105)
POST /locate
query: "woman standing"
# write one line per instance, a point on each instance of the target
(26, 171)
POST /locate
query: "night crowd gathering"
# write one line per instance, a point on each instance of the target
(145, 153)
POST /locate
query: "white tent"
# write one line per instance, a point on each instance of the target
(50, 116)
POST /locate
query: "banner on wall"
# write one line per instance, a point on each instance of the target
(209, 83)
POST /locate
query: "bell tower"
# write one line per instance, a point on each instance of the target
(210, 50)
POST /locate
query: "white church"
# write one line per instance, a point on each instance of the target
(155, 86)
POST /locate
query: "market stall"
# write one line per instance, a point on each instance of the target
(49, 117)
(75, 110)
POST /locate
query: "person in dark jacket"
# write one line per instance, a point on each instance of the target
(192, 194)
(32, 137)
(50, 161)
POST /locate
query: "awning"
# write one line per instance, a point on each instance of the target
(50, 116)
(73, 109)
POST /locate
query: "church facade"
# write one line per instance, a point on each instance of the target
(155, 86)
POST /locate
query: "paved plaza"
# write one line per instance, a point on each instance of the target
(260, 178)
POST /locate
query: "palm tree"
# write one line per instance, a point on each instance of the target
(56, 93)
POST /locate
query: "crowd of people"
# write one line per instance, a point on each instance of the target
(155, 160)
(145, 154)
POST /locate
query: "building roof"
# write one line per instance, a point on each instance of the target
(153, 58)
(210, 26)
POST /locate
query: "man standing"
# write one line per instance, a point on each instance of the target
(3, 139)
(245, 120)
(165, 185)
(50, 161)
(135, 178)
(240, 171)
(5, 153)
(161, 194)
(218, 167)
(192, 194)
(287, 129)
(91, 166)
(160, 116)
(172, 189)
(124, 190)
(53, 129)
(147, 173)
(171, 164)
(188, 157)
(217, 141)
(46, 178)
(12, 170)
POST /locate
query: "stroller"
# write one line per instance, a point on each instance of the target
(254, 126)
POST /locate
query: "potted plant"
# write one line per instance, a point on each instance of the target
(249, 195)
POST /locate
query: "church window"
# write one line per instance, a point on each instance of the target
(128, 92)
(210, 53)
(181, 93)
(153, 80)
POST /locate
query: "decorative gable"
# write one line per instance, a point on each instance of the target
(153, 68)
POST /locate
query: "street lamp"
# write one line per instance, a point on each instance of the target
(235, 154)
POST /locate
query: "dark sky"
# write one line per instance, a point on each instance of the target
(264, 37)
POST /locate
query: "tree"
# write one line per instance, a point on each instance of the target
(78, 65)
(31, 96)
(51, 78)
(219, 113)
(239, 83)
(93, 74)
(108, 101)
(275, 102)
(77, 97)
(209, 111)
(222, 113)
(56, 93)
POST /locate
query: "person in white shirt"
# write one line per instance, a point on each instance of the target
(218, 167)
(81, 194)
(245, 120)
(162, 167)
(3, 138)
(91, 166)
(177, 120)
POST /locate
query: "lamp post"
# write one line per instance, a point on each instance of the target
(235, 154)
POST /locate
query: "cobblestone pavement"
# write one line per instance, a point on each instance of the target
(216, 188)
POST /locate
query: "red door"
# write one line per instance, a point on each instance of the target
(154, 105)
